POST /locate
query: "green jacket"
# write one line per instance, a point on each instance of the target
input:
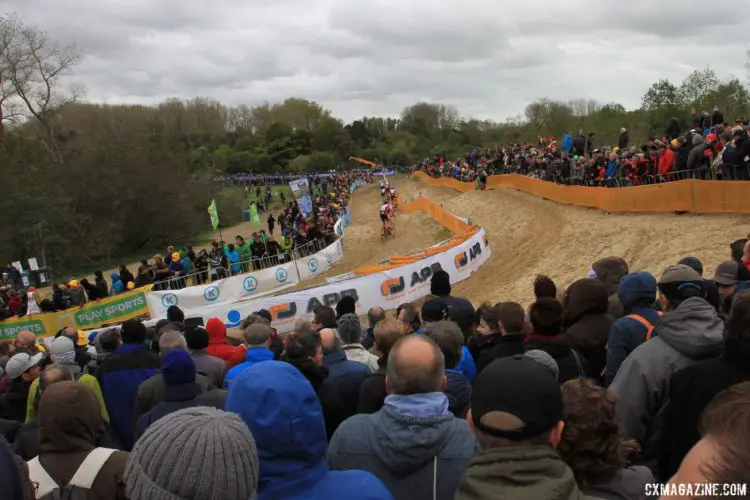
(518, 473)
(243, 251)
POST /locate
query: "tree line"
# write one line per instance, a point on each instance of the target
(90, 182)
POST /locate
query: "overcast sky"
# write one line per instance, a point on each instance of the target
(489, 58)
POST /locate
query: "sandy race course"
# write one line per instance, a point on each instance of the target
(531, 236)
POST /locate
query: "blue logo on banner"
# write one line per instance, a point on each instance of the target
(211, 293)
(250, 284)
(234, 318)
(169, 299)
(312, 265)
(281, 275)
(329, 257)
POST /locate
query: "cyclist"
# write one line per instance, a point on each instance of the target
(382, 188)
(386, 215)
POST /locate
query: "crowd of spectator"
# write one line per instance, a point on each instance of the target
(621, 381)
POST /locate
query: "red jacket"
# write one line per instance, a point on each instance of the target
(217, 343)
(666, 161)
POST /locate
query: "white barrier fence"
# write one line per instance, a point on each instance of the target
(385, 289)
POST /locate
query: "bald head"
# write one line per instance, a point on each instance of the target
(25, 340)
(328, 338)
(415, 366)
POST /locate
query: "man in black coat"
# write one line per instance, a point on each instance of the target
(505, 339)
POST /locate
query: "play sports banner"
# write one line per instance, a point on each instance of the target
(320, 262)
(386, 289)
(109, 311)
(227, 290)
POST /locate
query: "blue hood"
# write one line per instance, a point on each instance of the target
(637, 290)
(283, 413)
(115, 277)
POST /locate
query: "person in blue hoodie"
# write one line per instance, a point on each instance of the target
(283, 413)
(121, 374)
(117, 285)
(257, 340)
(567, 144)
(611, 172)
(637, 294)
(234, 257)
(437, 310)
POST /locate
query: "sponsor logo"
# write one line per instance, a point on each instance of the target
(234, 319)
(460, 260)
(281, 275)
(392, 286)
(329, 257)
(331, 299)
(424, 274)
(283, 311)
(250, 284)
(168, 300)
(211, 293)
(312, 265)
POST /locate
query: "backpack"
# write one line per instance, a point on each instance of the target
(79, 487)
(649, 327)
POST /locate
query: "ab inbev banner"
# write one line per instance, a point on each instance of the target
(386, 289)
(320, 262)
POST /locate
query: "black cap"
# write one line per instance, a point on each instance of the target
(516, 398)
(727, 273)
(435, 310)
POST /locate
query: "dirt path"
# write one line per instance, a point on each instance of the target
(531, 236)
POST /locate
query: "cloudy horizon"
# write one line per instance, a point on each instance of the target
(373, 59)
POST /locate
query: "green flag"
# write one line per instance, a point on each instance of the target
(254, 217)
(214, 214)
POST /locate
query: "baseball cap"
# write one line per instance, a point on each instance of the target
(679, 273)
(19, 363)
(435, 310)
(727, 273)
(516, 398)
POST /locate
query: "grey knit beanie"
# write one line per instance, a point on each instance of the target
(350, 329)
(196, 453)
(545, 359)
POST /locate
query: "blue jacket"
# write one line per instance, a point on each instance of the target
(637, 294)
(466, 365)
(233, 258)
(400, 442)
(345, 377)
(282, 411)
(567, 143)
(119, 377)
(254, 355)
(611, 169)
(117, 285)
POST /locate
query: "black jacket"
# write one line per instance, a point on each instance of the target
(458, 391)
(569, 362)
(587, 323)
(372, 391)
(13, 402)
(691, 390)
(176, 397)
(505, 346)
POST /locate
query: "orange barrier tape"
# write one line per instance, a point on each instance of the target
(442, 216)
(682, 196)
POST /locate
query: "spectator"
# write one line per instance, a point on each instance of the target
(14, 481)
(546, 324)
(721, 456)
(712, 291)
(486, 334)
(518, 426)
(372, 392)
(80, 343)
(216, 459)
(437, 310)
(257, 341)
(347, 305)
(408, 314)
(726, 278)
(610, 271)
(350, 331)
(69, 423)
(693, 388)
(273, 398)
(22, 369)
(276, 343)
(215, 369)
(176, 316)
(461, 310)
(413, 444)
(510, 321)
(344, 376)
(587, 323)
(101, 284)
(688, 332)
(217, 344)
(449, 339)
(121, 375)
(178, 372)
(27, 340)
(63, 353)
(592, 447)
(544, 287)
(374, 314)
(324, 317)
(637, 295)
(624, 139)
(106, 343)
(152, 391)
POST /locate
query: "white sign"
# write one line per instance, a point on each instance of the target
(320, 262)
(338, 228)
(33, 264)
(386, 289)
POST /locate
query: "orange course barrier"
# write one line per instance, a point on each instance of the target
(463, 231)
(681, 196)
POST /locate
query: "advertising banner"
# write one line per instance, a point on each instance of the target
(95, 314)
(320, 262)
(301, 191)
(227, 290)
(385, 289)
(339, 227)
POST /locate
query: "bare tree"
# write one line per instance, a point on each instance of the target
(31, 68)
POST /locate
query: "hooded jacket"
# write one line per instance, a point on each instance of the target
(68, 431)
(413, 444)
(217, 340)
(345, 377)
(284, 415)
(610, 270)
(518, 473)
(695, 156)
(254, 355)
(567, 143)
(117, 284)
(637, 294)
(689, 334)
(587, 323)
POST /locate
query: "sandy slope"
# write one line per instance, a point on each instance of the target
(531, 236)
